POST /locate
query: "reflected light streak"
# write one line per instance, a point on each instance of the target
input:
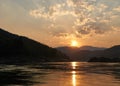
(74, 64)
(74, 78)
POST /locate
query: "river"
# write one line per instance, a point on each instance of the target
(61, 74)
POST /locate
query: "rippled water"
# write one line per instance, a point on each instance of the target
(61, 74)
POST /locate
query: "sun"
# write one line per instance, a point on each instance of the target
(74, 43)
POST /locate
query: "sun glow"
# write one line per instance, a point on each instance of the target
(74, 43)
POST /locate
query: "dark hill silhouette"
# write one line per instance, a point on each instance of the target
(15, 48)
(109, 55)
(112, 52)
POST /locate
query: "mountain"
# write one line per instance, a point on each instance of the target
(88, 53)
(15, 48)
(113, 51)
(91, 48)
(82, 53)
(75, 49)
(109, 55)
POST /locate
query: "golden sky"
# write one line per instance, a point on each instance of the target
(58, 22)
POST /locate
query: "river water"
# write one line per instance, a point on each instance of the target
(61, 74)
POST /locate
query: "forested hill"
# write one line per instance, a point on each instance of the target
(15, 48)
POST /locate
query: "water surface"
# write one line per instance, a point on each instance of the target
(61, 74)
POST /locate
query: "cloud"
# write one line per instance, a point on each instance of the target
(88, 16)
(117, 9)
(92, 18)
(51, 12)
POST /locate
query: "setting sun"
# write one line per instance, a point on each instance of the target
(74, 43)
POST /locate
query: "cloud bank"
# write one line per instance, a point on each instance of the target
(77, 17)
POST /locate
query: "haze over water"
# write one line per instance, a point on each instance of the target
(61, 74)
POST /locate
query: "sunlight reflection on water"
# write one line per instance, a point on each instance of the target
(74, 78)
(74, 64)
(61, 74)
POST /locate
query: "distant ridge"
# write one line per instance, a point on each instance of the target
(90, 48)
(79, 53)
(15, 48)
(109, 55)
(86, 53)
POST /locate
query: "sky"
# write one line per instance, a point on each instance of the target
(58, 22)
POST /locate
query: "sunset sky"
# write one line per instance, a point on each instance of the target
(58, 22)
